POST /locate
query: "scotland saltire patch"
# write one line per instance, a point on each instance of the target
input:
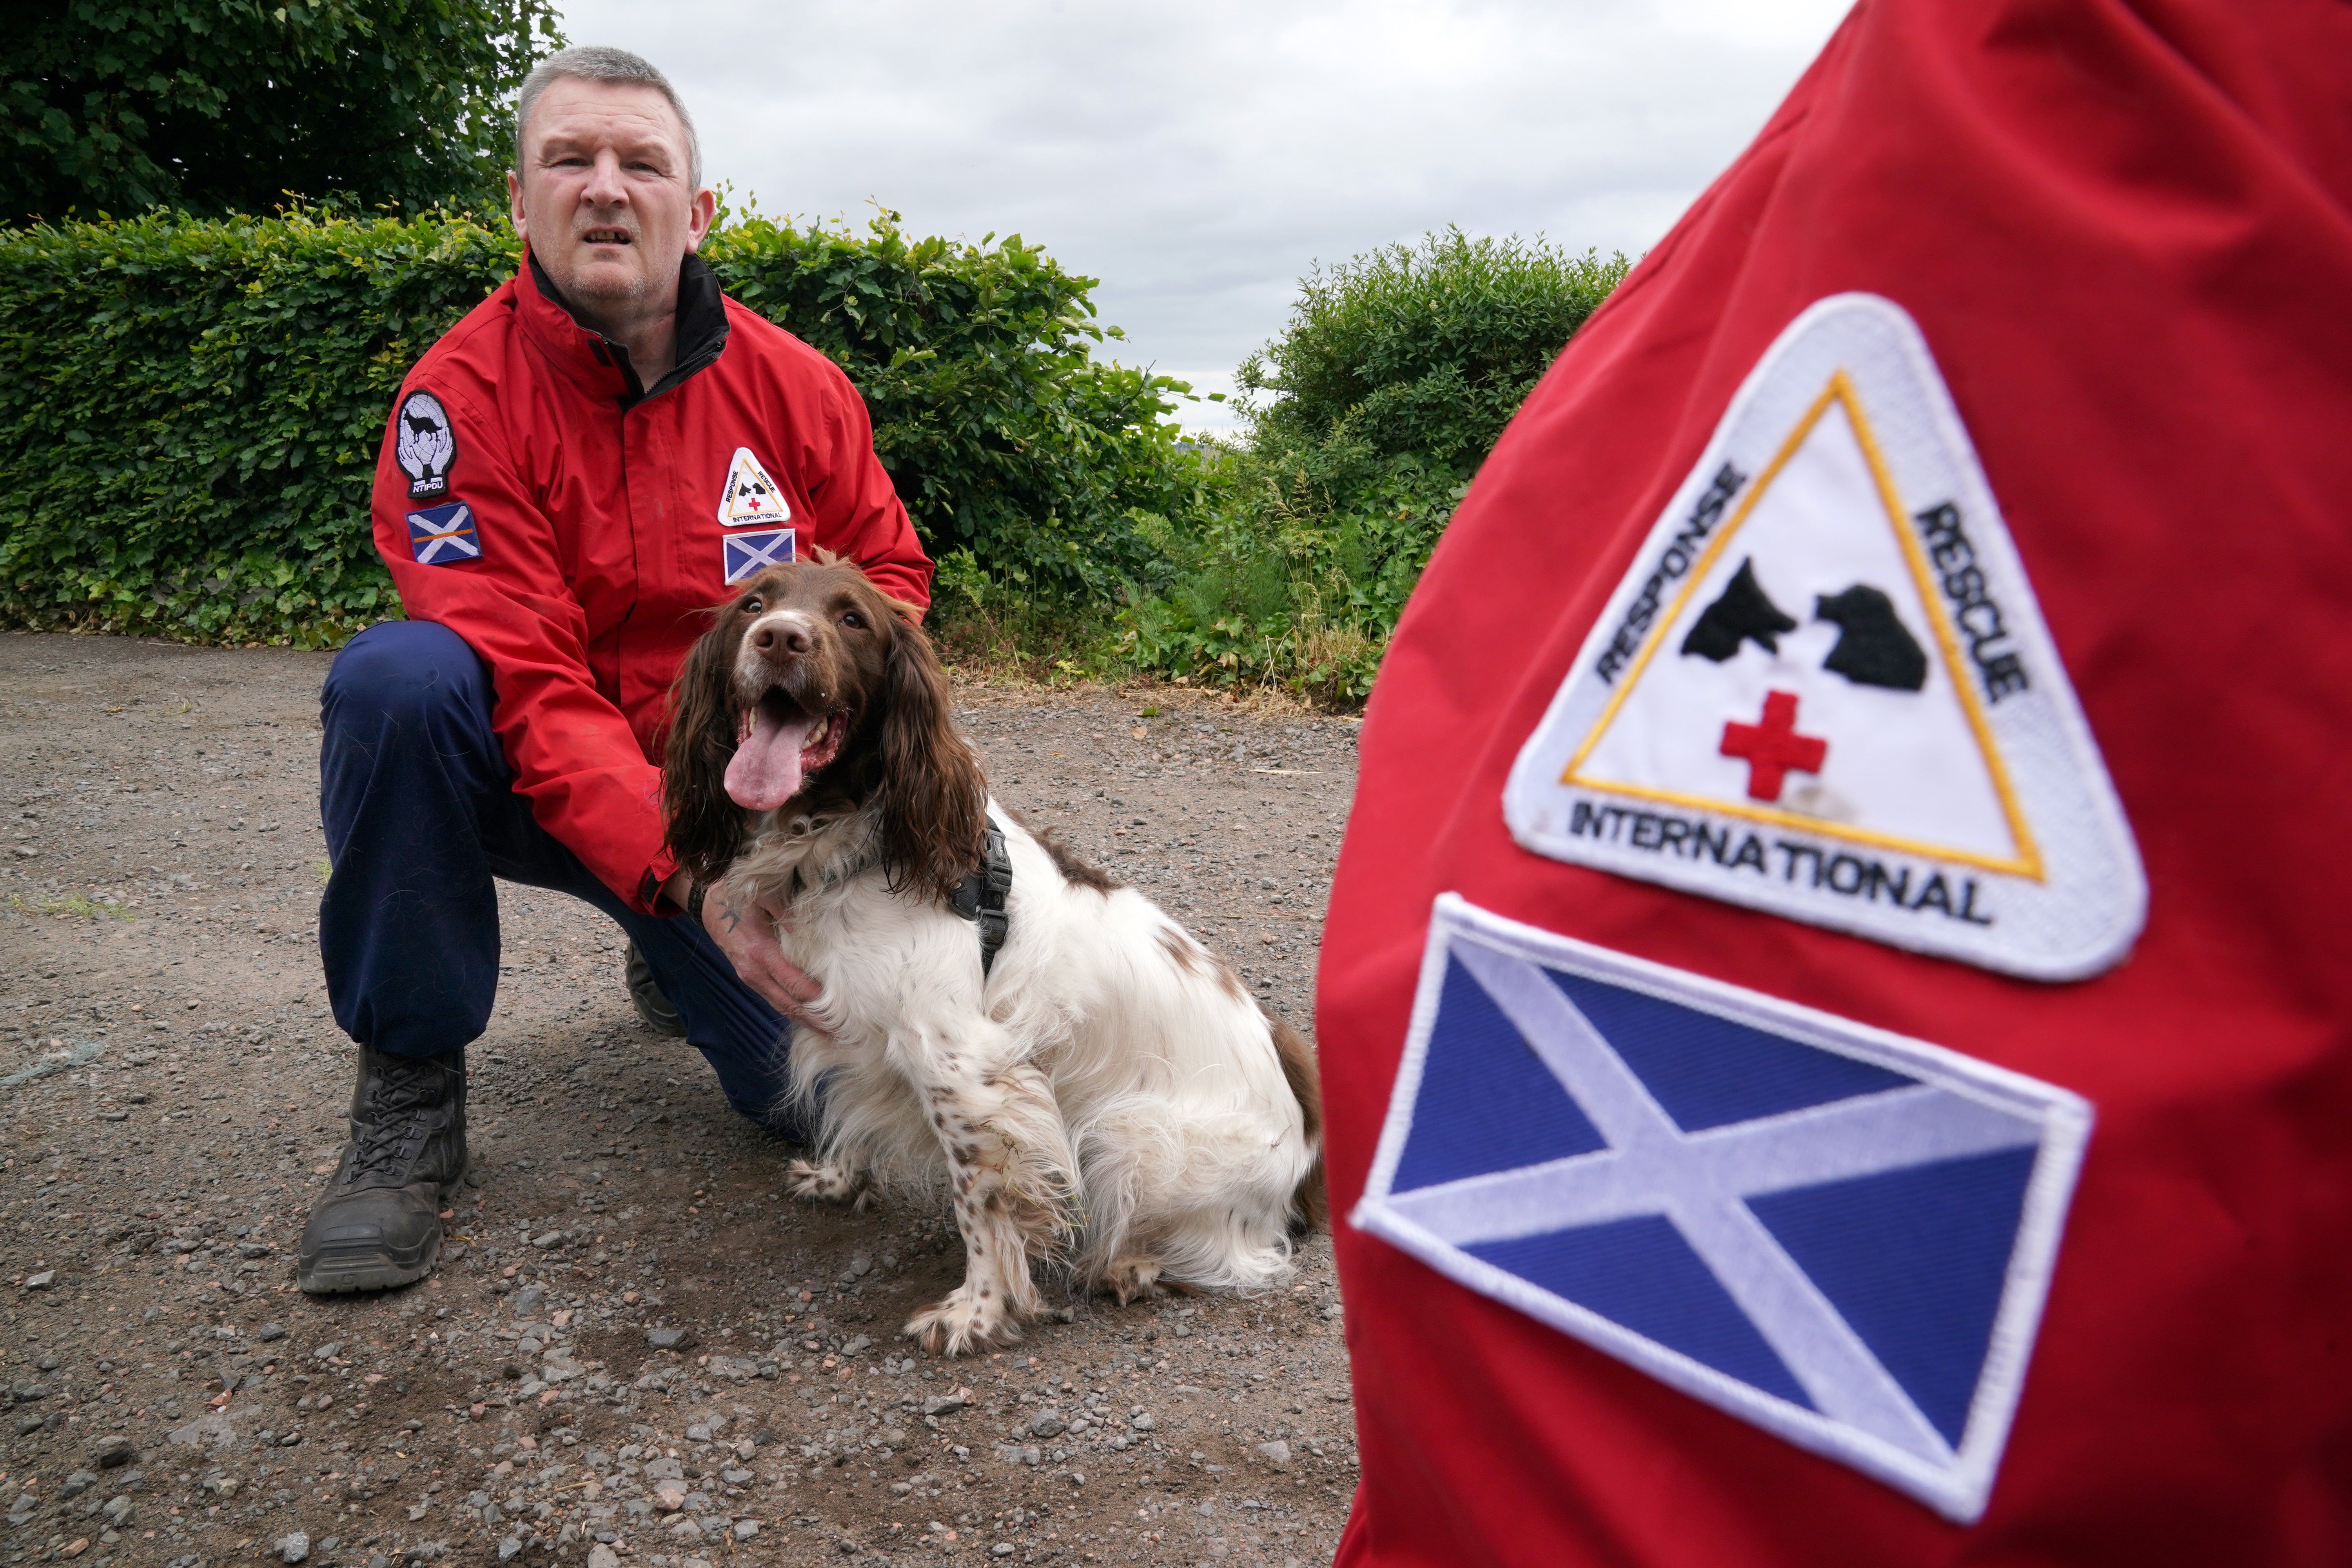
(444, 535)
(1841, 1235)
(748, 497)
(748, 554)
(1825, 689)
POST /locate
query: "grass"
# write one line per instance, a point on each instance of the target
(72, 905)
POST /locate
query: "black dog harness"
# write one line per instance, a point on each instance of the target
(979, 898)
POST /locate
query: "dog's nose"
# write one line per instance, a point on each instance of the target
(787, 637)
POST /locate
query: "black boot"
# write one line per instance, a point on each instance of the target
(378, 1224)
(652, 1008)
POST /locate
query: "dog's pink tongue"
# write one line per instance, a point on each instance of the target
(766, 771)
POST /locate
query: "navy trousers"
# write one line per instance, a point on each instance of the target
(420, 816)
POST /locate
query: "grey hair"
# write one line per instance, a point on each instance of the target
(599, 62)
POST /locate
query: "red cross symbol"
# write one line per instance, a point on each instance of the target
(1773, 748)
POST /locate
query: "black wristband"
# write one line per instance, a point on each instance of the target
(694, 891)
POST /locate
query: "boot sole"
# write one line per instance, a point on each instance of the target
(350, 1273)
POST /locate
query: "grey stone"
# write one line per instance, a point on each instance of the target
(117, 1510)
(41, 1281)
(857, 1346)
(891, 1437)
(943, 1404)
(270, 1332)
(293, 1548)
(1002, 1549)
(860, 1266)
(528, 1301)
(734, 1476)
(1276, 1453)
(1047, 1424)
(111, 1451)
(602, 1556)
(329, 1351)
(1145, 1422)
(78, 1483)
(668, 1339)
(745, 1529)
(548, 1239)
(508, 1548)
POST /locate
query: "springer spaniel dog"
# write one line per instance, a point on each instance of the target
(1106, 1092)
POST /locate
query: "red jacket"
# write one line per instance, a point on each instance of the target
(573, 527)
(2123, 236)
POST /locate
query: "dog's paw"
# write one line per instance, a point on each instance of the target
(962, 1324)
(1132, 1279)
(830, 1183)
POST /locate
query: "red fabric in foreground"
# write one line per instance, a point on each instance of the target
(2125, 233)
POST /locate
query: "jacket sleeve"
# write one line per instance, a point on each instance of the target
(858, 513)
(570, 750)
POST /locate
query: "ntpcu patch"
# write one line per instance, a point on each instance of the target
(1840, 1234)
(424, 444)
(1825, 688)
(746, 554)
(749, 497)
(444, 535)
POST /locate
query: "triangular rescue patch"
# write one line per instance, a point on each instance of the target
(749, 497)
(1841, 1235)
(1825, 689)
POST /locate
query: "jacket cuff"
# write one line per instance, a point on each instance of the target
(649, 886)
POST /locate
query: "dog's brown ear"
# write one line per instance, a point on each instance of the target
(703, 827)
(934, 799)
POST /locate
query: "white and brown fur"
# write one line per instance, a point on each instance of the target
(1109, 1096)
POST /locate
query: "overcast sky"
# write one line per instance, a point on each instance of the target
(1199, 157)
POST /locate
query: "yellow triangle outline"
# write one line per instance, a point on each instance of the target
(1839, 391)
(744, 456)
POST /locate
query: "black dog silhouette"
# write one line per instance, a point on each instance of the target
(1743, 613)
(1873, 648)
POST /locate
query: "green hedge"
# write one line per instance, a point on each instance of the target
(1365, 420)
(190, 410)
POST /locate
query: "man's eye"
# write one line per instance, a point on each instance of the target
(852, 618)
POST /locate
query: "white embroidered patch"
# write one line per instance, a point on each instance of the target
(1841, 1235)
(424, 446)
(1825, 689)
(750, 496)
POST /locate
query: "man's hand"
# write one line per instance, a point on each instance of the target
(745, 929)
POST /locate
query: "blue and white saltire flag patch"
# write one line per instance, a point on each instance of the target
(1841, 1235)
(444, 535)
(749, 554)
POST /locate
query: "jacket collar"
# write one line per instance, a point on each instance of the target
(598, 362)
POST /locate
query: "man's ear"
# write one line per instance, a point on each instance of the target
(699, 215)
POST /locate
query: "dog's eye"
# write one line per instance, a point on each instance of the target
(852, 618)
(751, 607)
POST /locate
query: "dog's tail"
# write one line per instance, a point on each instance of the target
(1310, 1205)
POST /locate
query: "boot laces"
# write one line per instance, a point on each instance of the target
(383, 1143)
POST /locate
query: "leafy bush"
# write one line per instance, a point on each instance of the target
(1391, 381)
(215, 106)
(1006, 438)
(189, 423)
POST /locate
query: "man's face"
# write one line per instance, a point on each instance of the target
(603, 195)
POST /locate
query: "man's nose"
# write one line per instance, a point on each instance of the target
(605, 188)
(781, 637)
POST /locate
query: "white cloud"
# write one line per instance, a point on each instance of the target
(1198, 158)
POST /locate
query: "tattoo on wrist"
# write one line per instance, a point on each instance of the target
(728, 912)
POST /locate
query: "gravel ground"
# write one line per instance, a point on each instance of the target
(636, 1350)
